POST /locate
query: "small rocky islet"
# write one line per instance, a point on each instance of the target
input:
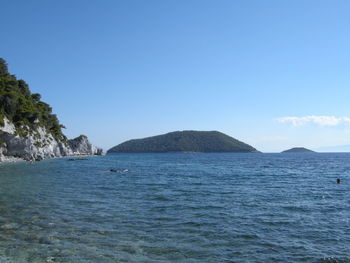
(298, 150)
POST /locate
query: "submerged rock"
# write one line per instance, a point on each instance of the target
(119, 171)
(78, 159)
(10, 226)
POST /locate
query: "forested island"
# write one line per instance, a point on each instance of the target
(298, 150)
(184, 141)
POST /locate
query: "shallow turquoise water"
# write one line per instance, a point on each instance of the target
(177, 208)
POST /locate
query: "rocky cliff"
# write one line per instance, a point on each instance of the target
(40, 144)
(82, 146)
(29, 130)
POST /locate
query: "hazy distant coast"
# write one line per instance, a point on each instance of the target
(298, 150)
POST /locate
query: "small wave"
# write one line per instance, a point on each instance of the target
(334, 260)
(247, 236)
(161, 198)
(296, 208)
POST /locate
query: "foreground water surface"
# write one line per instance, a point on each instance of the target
(177, 208)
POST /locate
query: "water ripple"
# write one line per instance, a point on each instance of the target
(177, 208)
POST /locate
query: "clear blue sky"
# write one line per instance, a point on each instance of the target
(116, 70)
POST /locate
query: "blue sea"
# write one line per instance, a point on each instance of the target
(178, 207)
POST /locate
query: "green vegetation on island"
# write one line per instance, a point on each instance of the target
(298, 150)
(184, 141)
(23, 108)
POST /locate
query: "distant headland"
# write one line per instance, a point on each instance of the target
(298, 150)
(184, 141)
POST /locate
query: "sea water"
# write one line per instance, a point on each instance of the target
(177, 208)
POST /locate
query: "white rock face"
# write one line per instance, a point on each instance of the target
(8, 127)
(82, 146)
(40, 144)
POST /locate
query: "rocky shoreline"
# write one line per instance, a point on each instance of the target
(39, 145)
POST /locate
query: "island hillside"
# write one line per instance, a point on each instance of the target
(298, 150)
(29, 129)
(184, 141)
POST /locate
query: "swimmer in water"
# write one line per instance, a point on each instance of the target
(338, 180)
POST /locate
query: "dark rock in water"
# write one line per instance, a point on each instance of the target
(298, 150)
(44, 240)
(10, 226)
(78, 159)
(184, 141)
(119, 171)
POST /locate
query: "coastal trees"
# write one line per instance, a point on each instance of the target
(3, 68)
(23, 108)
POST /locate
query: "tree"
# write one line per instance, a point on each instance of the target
(23, 108)
(36, 97)
(3, 68)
